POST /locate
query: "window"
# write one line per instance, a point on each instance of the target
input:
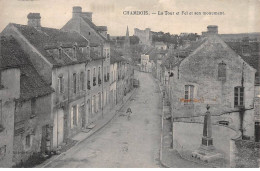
(188, 96)
(108, 73)
(74, 115)
(104, 100)
(99, 100)
(82, 81)
(94, 76)
(28, 140)
(61, 84)
(222, 71)
(0, 79)
(93, 104)
(88, 78)
(108, 54)
(112, 78)
(96, 104)
(74, 83)
(107, 97)
(239, 97)
(223, 122)
(1, 117)
(1, 112)
(33, 107)
(99, 75)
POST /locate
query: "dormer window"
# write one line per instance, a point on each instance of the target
(74, 51)
(60, 52)
(222, 71)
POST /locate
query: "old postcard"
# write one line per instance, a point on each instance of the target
(129, 84)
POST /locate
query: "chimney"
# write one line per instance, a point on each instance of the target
(76, 11)
(87, 15)
(212, 29)
(34, 20)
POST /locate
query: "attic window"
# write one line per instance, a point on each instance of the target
(74, 51)
(222, 71)
(88, 33)
(60, 52)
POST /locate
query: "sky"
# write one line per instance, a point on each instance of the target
(240, 16)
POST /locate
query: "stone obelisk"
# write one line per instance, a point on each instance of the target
(207, 151)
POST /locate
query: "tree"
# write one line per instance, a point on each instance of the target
(134, 40)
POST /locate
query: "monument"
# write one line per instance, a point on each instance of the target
(207, 151)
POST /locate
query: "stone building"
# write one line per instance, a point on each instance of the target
(145, 36)
(60, 59)
(250, 51)
(9, 92)
(113, 81)
(99, 68)
(212, 73)
(145, 63)
(32, 117)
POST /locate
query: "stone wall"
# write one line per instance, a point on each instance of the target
(187, 138)
(10, 80)
(30, 124)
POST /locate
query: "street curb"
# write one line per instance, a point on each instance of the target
(161, 162)
(106, 123)
(162, 116)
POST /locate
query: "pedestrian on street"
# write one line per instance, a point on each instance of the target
(128, 112)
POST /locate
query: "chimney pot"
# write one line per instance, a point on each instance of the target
(212, 29)
(76, 11)
(34, 20)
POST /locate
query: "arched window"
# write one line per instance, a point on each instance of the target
(222, 71)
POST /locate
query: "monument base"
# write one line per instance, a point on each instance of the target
(207, 153)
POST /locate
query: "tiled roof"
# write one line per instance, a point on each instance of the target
(189, 49)
(31, 83)
(93, 26)
(115, 56)
(8, 55)
(49, 38)
(252, 58)
(94, 55)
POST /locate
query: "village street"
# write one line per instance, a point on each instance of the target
(124, 143)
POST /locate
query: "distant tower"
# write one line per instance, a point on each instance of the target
(127, 40)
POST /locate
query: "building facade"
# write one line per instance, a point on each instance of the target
(223, 80)
(9, 92)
